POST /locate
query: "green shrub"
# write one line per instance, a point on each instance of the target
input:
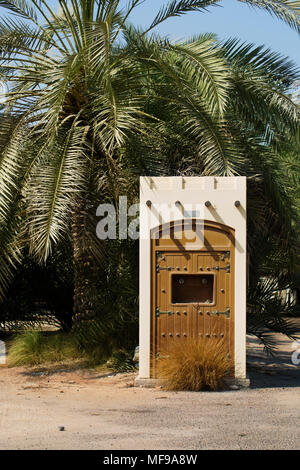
(121, 361)
(35, 348)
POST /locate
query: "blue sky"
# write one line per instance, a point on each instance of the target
(230, 19)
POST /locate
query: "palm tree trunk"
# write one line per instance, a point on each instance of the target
(83, 264)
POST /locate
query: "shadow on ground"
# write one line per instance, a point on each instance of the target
(266, 371)
(266, 379)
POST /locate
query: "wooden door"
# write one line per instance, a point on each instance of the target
(193, 297)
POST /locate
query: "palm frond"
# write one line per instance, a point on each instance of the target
(267, 306)
(253, 58)
(12, 136)
(260, 81)
(12, 241)
(285, 10)
(53, 188)
(218, 154)
(179, 7)
(20, 8)
(206, 71)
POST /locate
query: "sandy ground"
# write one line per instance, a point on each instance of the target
(100, 412)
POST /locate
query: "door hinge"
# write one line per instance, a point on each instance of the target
(160, 268)
(159, 312)
(225, 268)
(160, 255)
(218, 312)
(225, 256)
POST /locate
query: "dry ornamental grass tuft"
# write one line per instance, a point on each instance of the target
(195, 365)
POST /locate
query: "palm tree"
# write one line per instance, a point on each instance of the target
(81, 82)
(257, 137)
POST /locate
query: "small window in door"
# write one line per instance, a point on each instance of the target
(192, 288)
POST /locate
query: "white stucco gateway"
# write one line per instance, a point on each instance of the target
(172, 266)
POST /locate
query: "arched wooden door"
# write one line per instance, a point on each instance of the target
(192, 285)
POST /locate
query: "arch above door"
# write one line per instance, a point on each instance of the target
(193, 234)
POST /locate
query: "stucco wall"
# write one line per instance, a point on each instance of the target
(193, 192)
